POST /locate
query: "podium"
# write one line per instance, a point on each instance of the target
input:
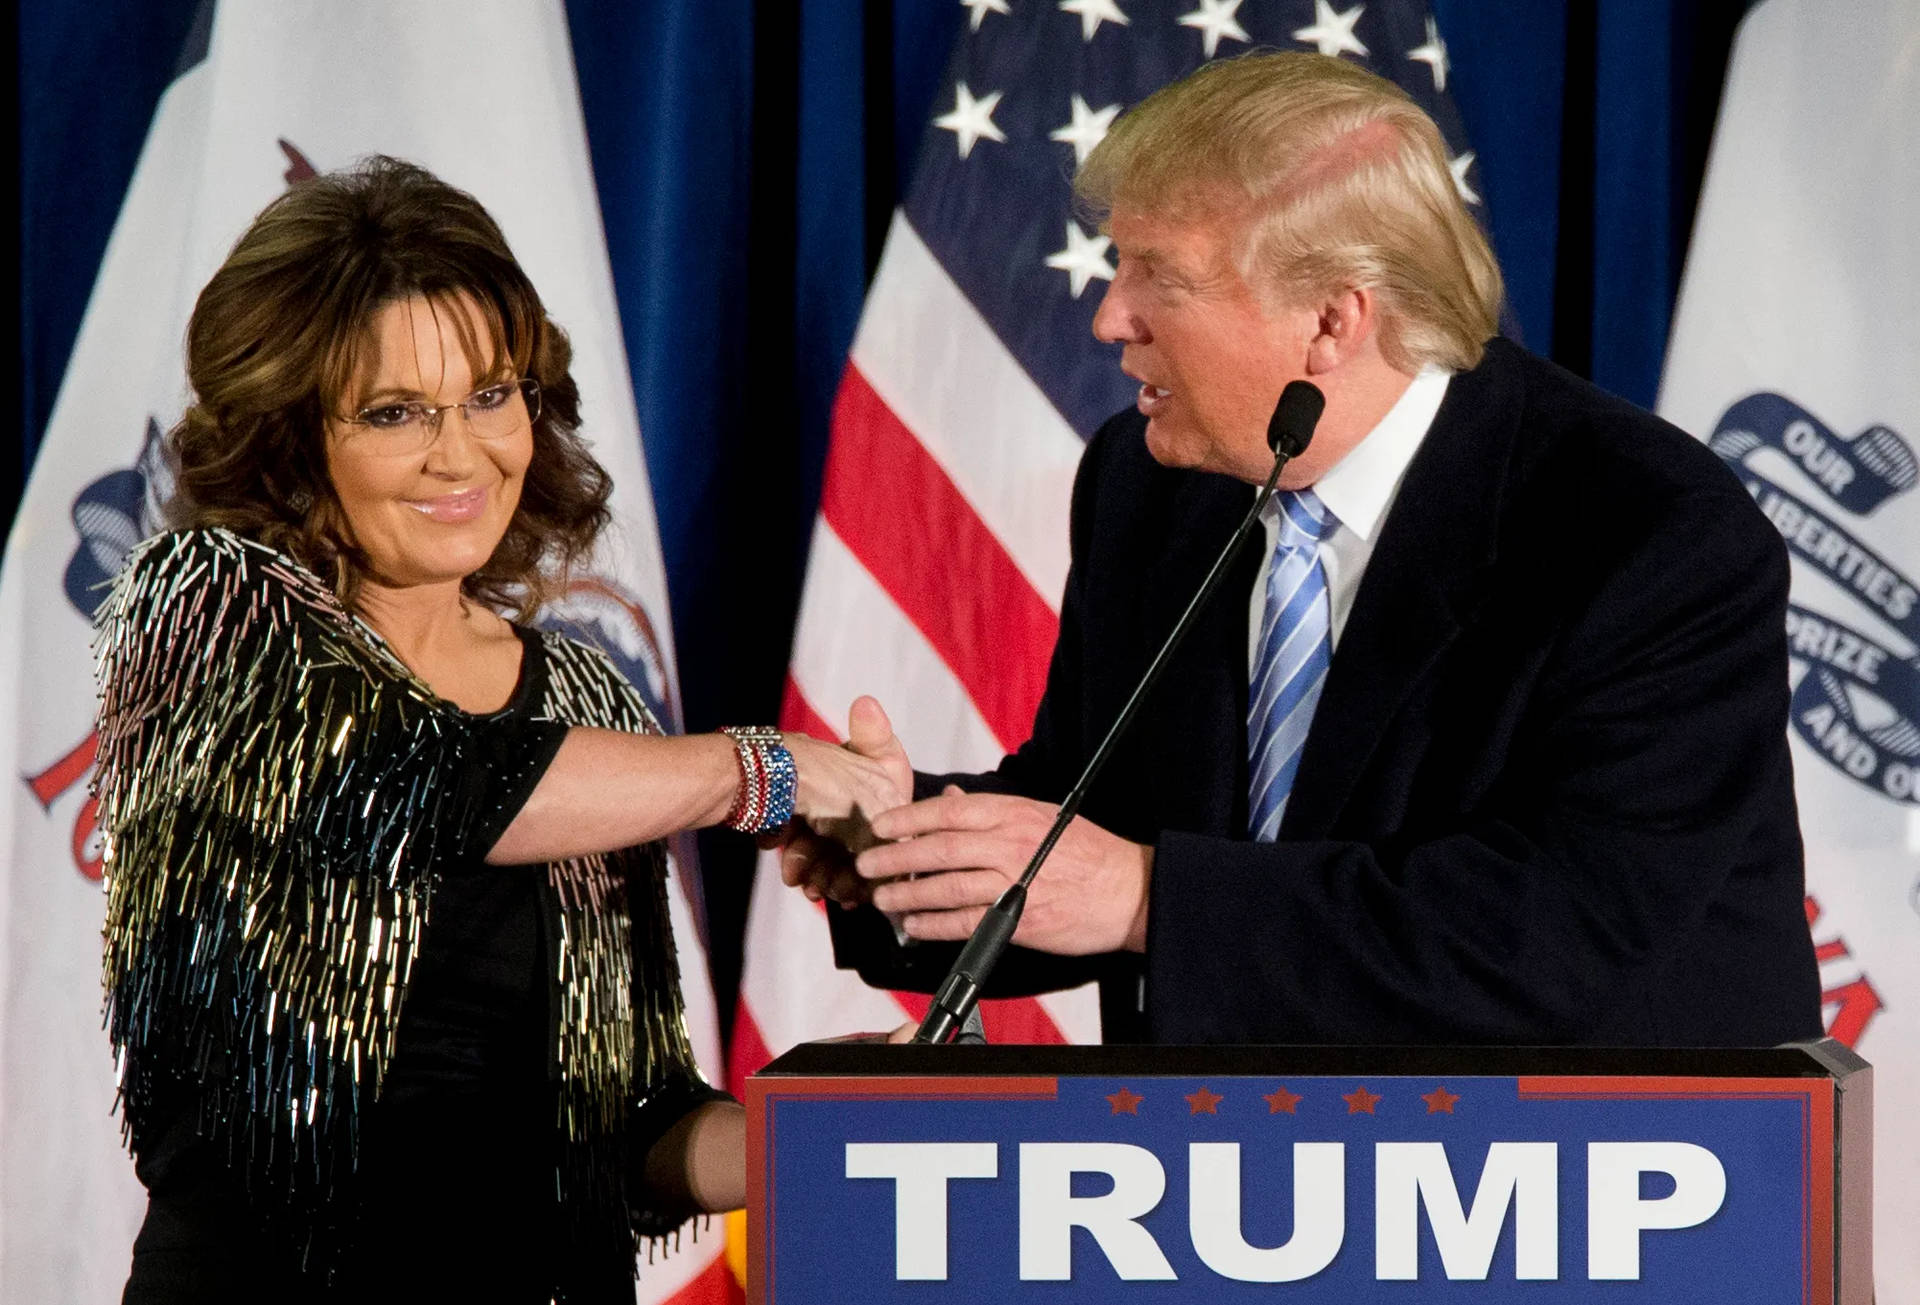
(1229, 1174)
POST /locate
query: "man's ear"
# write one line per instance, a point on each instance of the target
(1347, 319)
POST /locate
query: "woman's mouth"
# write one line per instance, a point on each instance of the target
(452, 509)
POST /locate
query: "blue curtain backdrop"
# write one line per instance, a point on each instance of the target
(748, 156)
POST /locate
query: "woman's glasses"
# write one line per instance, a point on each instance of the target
(492, 412)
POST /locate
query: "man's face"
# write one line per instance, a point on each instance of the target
(1210, 356)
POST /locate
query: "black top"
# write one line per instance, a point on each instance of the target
(455, 1192)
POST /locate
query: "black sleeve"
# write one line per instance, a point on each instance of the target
(505, 765)
(652, 1213)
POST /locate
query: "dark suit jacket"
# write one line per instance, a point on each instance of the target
(1546, 797)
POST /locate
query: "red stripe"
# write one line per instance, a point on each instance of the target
(798, 715)
(1009, 1019)
(920, 539)
(1012, 1019)
(748, 1054)
(714, 1286)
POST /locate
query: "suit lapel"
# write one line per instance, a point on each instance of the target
(1419, 589)
(1202, 699)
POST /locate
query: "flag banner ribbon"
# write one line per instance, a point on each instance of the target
(1858, 704)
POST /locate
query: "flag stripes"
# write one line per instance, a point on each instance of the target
(975, 608)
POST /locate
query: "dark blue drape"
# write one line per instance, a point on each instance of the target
(748, 157)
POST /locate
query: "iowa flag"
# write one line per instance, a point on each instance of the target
(1796, 353)
(264, 95)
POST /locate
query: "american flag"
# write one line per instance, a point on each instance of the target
(940, 552)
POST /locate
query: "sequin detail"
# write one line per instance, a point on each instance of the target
(278, 794)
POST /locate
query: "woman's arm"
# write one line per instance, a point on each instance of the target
(702, 1159)
(607, 789)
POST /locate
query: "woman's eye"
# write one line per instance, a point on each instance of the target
(388, 415)
(494, 396)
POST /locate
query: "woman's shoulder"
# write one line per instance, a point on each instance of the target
(216, 600)
(586, 687)
(182, 565)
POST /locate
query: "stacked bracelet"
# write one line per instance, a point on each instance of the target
(767, 779)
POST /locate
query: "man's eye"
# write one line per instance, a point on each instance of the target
(389, 415)
(492, 398)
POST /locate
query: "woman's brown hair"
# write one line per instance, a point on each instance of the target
(277, 339)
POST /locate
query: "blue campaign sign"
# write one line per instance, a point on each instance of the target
(1236, 1188)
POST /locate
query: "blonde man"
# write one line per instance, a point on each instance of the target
(1486, 741)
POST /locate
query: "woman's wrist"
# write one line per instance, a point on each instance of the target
(768, 780)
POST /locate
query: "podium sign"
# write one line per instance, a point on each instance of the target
(1013, 1174)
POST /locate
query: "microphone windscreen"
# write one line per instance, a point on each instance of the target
(1294, 418)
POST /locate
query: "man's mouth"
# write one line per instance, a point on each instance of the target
(451, 509)
(1152, 397)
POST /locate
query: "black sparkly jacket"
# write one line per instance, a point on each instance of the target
(279, 795)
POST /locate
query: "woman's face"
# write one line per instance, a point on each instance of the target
(428, 503)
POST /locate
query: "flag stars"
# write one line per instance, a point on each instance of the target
(1088, 128)
(970, 120)
(1439, 1101)
(1332, 33)
(1084, 258)
(1215, 20)
(1360, 1101)
(1433, 54)
(1093, 13)
(1458, 167)
(981, 8)
(1125, 1102)
(1204, 1102)
(1282, 1102)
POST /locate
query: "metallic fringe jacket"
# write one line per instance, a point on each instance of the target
(279, 795)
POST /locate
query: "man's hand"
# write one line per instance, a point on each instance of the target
(818, 858)
(967, 847)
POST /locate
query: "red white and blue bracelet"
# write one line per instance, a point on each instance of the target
(768, 779)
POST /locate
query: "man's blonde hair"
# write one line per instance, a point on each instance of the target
(1340, 179)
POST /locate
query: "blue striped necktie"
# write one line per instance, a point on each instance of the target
(1296, 647)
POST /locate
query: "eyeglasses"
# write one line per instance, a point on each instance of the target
(492, 412)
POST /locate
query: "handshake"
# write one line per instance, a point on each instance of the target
(935, 865)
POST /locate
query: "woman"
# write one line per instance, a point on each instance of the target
(390, 977)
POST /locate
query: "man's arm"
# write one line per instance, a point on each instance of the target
(1649, 760)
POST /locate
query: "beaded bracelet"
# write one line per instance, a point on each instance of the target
(768, 779)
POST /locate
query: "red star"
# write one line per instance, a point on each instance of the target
(1125, 1102)
(1281, 1102)
(1203, 1102)
(1439, 1101)
(1360, 1101)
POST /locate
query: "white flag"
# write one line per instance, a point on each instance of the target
(1796, 352)
(266, 94)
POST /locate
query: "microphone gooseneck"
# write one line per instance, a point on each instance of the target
(1288, 432)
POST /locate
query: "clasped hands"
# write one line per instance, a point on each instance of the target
(961, 850)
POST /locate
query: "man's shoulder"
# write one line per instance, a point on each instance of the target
(1590, 475)
(1567, 427)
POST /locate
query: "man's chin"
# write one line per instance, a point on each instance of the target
(1166, 448)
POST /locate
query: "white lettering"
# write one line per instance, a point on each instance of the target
(1524, 1175)
(1319, 1213)
(1616, 1213)
(920, 1172)
(1049, 1211)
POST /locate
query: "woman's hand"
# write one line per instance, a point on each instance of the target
(840, 789)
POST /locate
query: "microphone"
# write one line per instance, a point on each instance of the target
(1288, 432)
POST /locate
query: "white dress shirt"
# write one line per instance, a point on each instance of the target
(1358, 491)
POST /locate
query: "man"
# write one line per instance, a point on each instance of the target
(1485, 744)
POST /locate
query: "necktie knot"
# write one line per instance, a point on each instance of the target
(1304, 519)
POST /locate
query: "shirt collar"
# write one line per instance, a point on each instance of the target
(1361, 485)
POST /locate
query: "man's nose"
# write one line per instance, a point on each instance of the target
(1113, 321)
